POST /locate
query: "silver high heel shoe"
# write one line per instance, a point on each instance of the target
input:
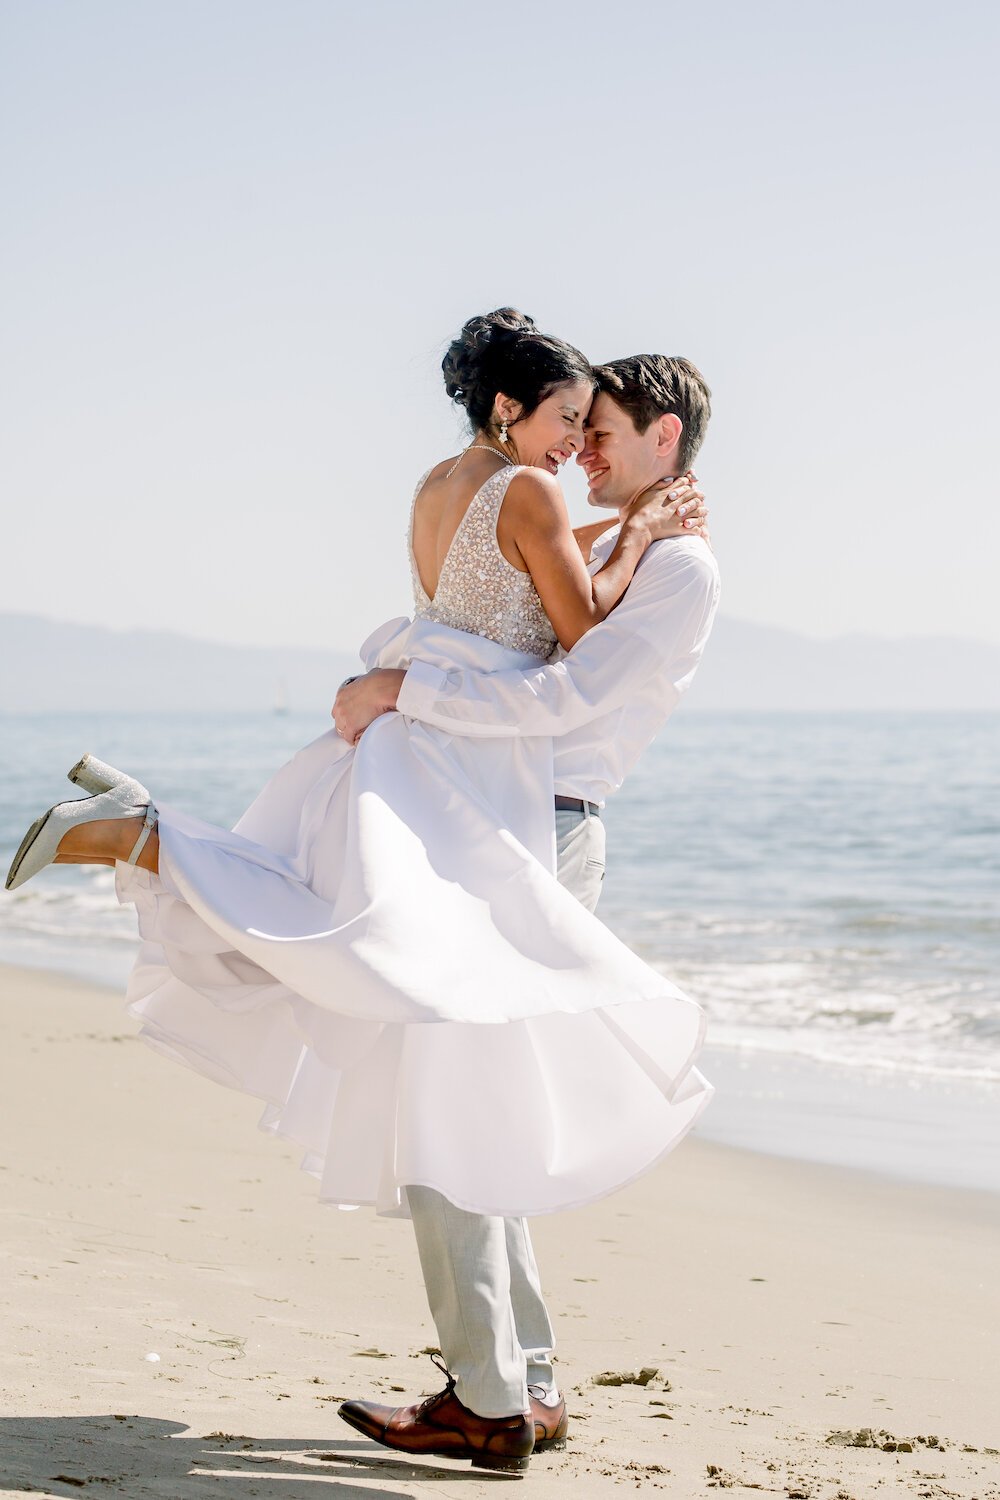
(95, 776)
(125, 799)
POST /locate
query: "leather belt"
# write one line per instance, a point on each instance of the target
(577, 804)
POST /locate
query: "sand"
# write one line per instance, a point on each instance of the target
(785, 1308)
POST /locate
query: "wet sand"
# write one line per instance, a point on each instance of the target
(804, 1322)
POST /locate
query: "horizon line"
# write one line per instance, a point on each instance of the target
(740, 620)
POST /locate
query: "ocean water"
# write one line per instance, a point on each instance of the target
(828, 887)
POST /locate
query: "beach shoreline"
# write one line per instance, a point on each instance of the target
(938, 1130)
(780, 1302)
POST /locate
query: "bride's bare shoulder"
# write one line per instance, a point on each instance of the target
(435, 473)
(532, 490)
(431, 477)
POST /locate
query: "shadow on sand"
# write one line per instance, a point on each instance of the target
(139, 1456)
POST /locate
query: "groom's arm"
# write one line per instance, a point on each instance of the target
(658, 631)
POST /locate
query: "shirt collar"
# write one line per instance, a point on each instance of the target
(600, 549)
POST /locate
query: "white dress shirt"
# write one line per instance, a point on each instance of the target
(605, 701)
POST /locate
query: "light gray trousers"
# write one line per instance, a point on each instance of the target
(480, 1270)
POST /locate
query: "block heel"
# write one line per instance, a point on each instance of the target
(94, 776)
(505, 1462)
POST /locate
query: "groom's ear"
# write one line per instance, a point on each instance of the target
(671, 430)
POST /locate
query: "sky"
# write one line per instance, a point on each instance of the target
(237, 237)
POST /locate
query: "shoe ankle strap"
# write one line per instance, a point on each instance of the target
(148, 824)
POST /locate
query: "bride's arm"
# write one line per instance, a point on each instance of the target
(535, 518)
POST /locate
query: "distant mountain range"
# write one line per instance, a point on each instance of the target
(757, 666)
(49, 665)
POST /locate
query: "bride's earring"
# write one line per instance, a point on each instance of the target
(503, 430)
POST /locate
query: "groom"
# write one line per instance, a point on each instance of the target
(602, 704)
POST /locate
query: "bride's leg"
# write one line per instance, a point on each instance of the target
(106, 842)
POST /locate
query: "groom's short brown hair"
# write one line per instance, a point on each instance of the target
(648, 385)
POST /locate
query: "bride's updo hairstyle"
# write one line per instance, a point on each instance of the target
(504, 352)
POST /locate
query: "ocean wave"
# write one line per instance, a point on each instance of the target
(949, 1027)
(909, 1063)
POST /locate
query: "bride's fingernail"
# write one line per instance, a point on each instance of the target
(688, 523)
(682, 510)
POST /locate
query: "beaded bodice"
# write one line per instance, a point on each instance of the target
(478, 590)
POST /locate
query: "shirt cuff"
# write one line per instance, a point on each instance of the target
(422, 686)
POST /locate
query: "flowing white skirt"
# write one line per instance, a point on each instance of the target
(381, 951)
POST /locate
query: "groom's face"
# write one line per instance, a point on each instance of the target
(619, 462)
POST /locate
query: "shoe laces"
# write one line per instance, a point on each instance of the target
(431, 1402)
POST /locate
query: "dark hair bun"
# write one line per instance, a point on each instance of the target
(504, 351)
(463, 365)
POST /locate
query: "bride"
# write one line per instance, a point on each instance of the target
(379, 949)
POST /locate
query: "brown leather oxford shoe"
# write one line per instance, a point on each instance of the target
(551, 1423)
(442, 1426)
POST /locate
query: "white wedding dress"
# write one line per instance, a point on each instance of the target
(380, 949)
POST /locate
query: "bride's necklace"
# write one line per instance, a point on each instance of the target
(480, 448)
(485, 448)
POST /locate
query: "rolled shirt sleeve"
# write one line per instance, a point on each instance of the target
(658, 630)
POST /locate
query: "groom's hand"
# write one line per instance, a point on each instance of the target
(363, 699)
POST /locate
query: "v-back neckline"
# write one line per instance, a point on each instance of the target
(429, 598)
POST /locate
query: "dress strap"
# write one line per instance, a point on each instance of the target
(494, 492)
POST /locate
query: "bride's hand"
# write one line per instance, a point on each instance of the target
(361, 700)
(672, 507)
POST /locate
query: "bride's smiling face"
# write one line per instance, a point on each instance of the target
(553, 432)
